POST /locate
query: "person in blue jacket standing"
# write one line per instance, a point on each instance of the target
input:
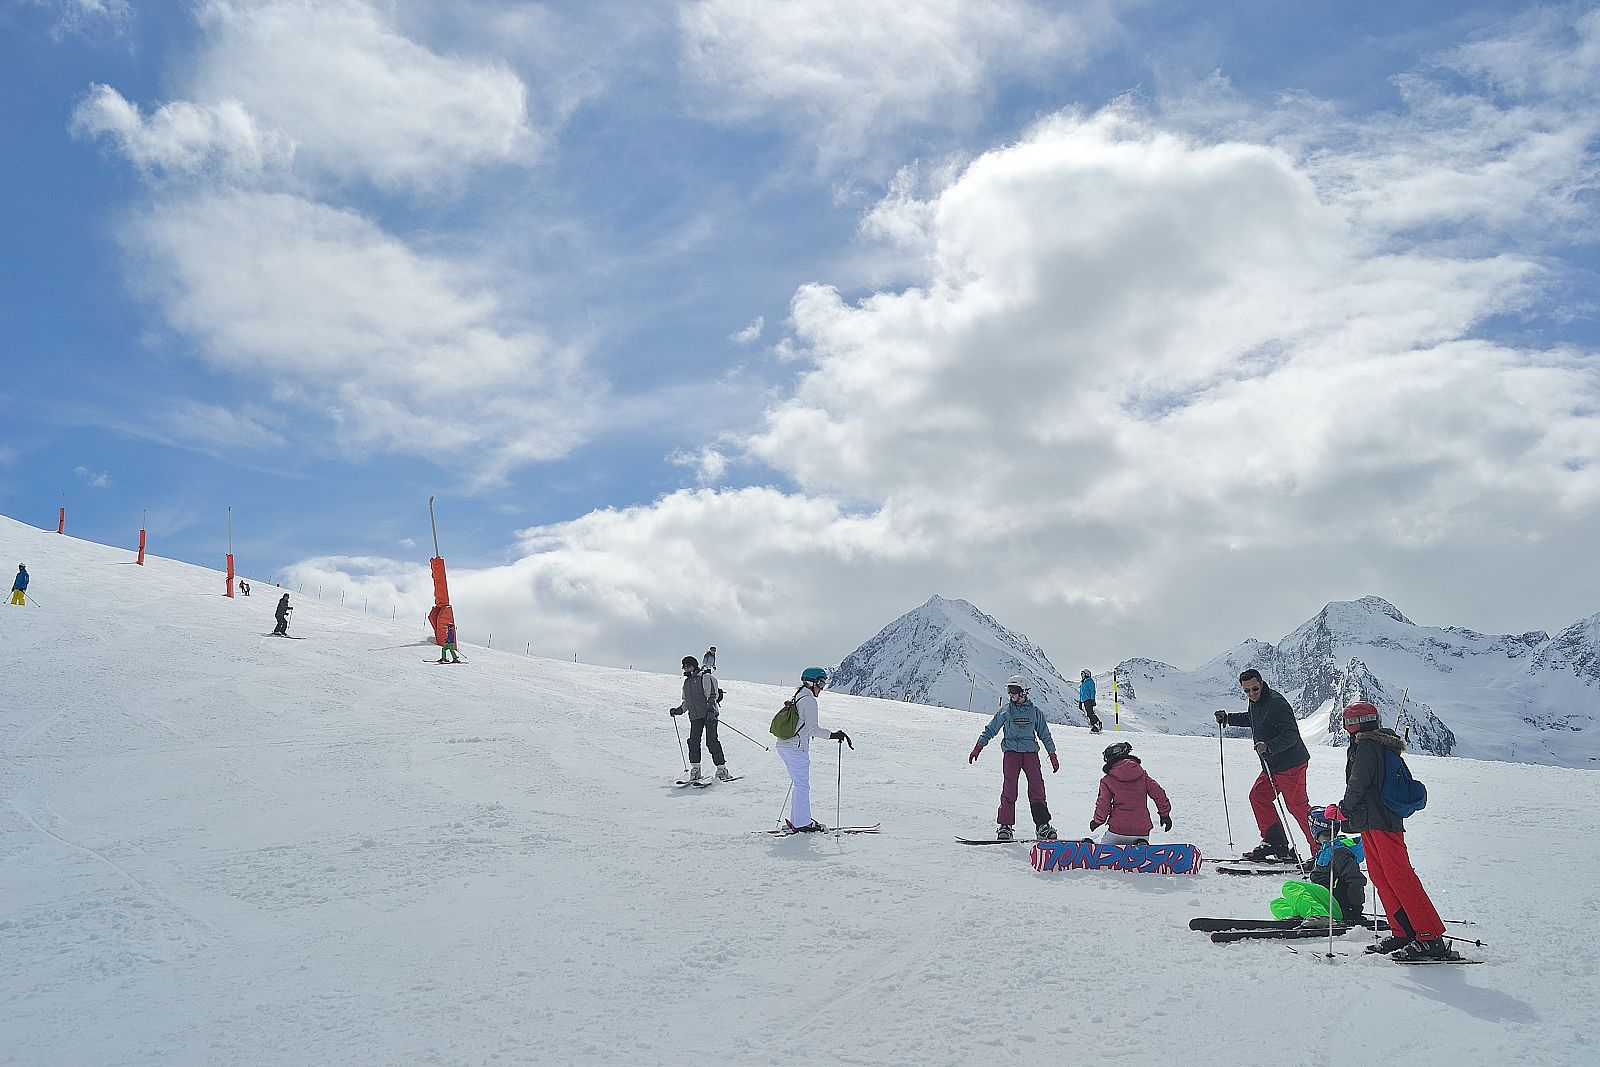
(1086, 701)
(1022, 721)
(19, 587)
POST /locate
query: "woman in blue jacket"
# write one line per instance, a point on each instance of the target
(1022, 721)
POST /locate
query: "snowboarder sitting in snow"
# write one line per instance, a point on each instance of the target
(19, 586)
(282, 615)
(1086, 701)
(700, 702)
(449, 646)
(1123, 804)
(1021, 720)
(1338, 858)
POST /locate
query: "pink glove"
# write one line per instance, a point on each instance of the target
(1332, 813)
(975, 750)
(1055, 763)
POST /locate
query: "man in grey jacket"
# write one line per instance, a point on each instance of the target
(700, 704)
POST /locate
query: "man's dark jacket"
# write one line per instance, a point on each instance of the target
(1272, 720)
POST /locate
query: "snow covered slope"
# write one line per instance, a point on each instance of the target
(1525, 698)
(949, 654)
(219, 848)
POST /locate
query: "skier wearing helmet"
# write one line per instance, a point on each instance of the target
(1086, 700)
(1022, 722)
(796, 751)
(1123, 806)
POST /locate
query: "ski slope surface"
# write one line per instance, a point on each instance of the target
(218, 847)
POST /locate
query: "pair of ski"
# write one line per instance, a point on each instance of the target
(1242, 865)
(786, 832)
(1001, 841)
(704, 783)
(1225, 930)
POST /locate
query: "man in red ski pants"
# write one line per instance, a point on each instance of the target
(1284, 758)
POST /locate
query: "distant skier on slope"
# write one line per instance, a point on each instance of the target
(1021, 720)
(1284, 758)
(1086, 700)
(709, 660)
(281, 613)
(19, 586)
(1123, 806)
(1418, 931)
(700, 704)
(796, 751)
(449, 646)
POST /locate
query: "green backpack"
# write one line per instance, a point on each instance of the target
(786, 723)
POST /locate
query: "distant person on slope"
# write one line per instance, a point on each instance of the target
(700, 704)
(244, 587)
(19, 586)
(1021, 720)
(796, 751)
(709, 660)
(1086, 701)
(1284, 759)
(282, 615)
(1123, 806)
(449, 646)
(1417, 931)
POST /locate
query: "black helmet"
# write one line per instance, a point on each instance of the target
(1120, 750)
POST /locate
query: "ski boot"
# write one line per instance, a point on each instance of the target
(1266, 852)
(1004, 833)
(723, 774)
(694, 773)
(1045, 832)
(1433, 950)
(1392, 943)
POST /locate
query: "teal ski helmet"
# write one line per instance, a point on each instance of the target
(813, 674)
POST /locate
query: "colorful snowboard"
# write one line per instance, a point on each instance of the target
(1089, 856)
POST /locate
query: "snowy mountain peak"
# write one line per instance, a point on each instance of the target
(950, 654)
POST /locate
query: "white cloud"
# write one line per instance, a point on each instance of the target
(87, 17)
(1140, 376)
(848, 73)
(181, 137)
(361, 101)
(397, 350)
(751, 333)
(94, 479)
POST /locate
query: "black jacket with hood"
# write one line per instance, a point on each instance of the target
(1363, 804)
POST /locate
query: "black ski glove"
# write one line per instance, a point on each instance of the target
(840, 735)
(1166, 823)
(676, 711)
(1093, 825)
(1222, 718)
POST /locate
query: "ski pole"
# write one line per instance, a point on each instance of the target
(838, 801)
(785, 807)
(1281, 806)
(1222, 766)
(744, 735)
(679, 734)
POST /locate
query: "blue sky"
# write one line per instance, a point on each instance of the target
(1144, 327)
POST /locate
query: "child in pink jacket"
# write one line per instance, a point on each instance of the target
(1122, 807)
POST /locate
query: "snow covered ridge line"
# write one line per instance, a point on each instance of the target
(1523, 698)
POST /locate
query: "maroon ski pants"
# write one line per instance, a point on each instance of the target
(1016, 763)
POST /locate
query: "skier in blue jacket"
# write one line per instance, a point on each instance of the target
(1086, 701)
(19, 587)
(1021, 720)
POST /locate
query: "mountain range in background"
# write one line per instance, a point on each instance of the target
(1524, 698)
(949, 654)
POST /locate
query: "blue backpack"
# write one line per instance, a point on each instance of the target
(1401, 794)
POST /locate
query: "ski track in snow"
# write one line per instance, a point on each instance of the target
(221, 850)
